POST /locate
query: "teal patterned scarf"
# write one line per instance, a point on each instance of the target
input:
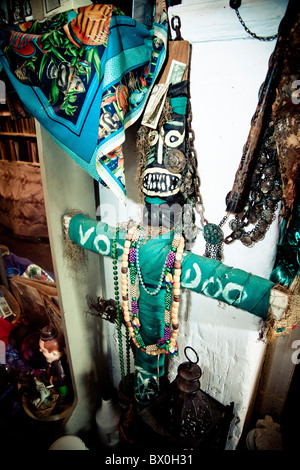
(85, 75)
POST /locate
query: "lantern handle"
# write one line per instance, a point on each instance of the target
(192, 362)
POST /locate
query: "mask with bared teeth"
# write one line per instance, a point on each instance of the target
(165, 175)
(164, 170)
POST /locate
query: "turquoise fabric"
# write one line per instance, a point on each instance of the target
(85, 75)
(179, 105)
(203, 275)
(287, 263)
(149, 369)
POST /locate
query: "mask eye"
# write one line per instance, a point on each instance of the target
(152, 137)
(175, 161)
(174, 138)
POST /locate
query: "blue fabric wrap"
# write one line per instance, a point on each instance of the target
(114, 77)
(202, 275)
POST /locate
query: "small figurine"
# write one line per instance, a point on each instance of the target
(51, 345)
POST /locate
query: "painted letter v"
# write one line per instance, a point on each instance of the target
(84, 238)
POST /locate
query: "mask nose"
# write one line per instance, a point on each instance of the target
(160, 149)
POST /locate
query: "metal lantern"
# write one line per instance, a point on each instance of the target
(185, 414)
(191, 412)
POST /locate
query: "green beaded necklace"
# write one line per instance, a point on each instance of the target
(119, 314)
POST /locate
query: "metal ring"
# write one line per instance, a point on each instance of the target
(189, 347)
(176, 28)
(178, 24)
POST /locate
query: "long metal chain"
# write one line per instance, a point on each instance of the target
(193, 155)
(260, 38)
(194, 158)
(176, 25)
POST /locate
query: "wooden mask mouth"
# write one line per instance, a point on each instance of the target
(160, 182)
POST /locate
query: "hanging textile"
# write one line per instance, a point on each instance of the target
(286, 116)
(85, 75)
(287, 263)
(279, 102)
(205, 276)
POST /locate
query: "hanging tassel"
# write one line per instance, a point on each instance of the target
(214, 240)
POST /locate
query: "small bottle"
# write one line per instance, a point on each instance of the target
(108, 419)
(2, 352)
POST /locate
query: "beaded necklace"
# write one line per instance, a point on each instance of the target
(119, 317)
(134, 257)
(170, 275)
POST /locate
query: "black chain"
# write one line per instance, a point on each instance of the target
(194, 158)
(176, 25)
(260, 38)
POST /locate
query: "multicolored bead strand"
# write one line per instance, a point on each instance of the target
(118, 306)
(128, 351)
(166, 344)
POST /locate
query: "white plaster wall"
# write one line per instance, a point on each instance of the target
(227, 70)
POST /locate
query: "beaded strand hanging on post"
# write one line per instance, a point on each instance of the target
(170, 275)
(119, 314)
